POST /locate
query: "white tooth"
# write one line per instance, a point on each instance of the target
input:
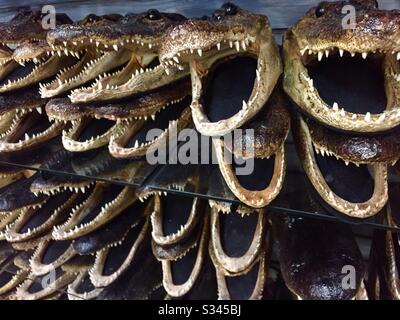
(342, 113)
(231, 44)
(398, 55)
(136, 143)
(26, 136)
(367, 117)
(65, 43)
(115, 47)
(153, 116)
(335, 106)
(320, 55)
(353, 54)
(244, 107)
(97, 43)
(364, 55)
(347, 163)
(39, 110)
(327, 53)
(258, 75)
(176, 59)
(382, 117)
(219, 46)
(243, 45)
(200, 52)
(341, 52)
(237, 46)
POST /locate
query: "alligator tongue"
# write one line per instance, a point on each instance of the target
(175, 212)
(241, 287)
(94, 128)
(351, 183)
(357, 85)
(237, 232)
(54, 250)
(110, 232)
(46, 211)
(161, 122)
(117, 255)
(258, 178)
(229, 84)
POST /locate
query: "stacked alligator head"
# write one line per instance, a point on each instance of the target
(26, 59)
(125, 99)
(345, 82)
(235, 66)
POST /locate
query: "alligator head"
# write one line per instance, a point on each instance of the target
(240, 263)
(233, 53)
(124, 124)
(327, 64)
(23, 124)
(317, 273)
(264, 146)
(25, 36)
(337, 163)
(138, 34)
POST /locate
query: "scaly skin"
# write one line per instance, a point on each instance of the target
(320, 33)
(201, 43)
(138, 34)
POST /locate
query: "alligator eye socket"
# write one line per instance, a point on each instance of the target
(92, 18)
(230, 8)
(153, 14)
(320, 11)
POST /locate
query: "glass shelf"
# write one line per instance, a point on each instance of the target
(99, 165)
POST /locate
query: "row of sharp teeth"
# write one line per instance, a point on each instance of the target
(174, 61)
(154, 116)
(180, 187)
(168, 238)
(37, 135)
(66, 52)
(12, 82)
(322, 151)
(14, 123)
(335, 106)
(35, 60)
(326, 53)
(57, 190)
(115, 46)
(145, 144)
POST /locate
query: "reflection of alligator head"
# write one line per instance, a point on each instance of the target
(239, 48)
(271, 126)
(137, 34)
(317, 273)
(349, 171)
(327, 65)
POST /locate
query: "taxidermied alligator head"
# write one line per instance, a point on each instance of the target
(349, 171)
(265, 147)
(139, 34)
(93, 62)
(23, 123)
(236, 52)
(26, 36)
(312, 254)
(239, 251)
(127, 122)
(346, 78)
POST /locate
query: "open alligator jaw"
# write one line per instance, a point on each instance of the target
(136, 77)
(225, 227)
(89, 133)
(102, 205)
(320, 55)
(180, 276)
(35, 222)
(349, 189)
(134, 140)
(106, 269)
(259, 187)
(49, 255)
(230, 32)
(29, 128)
(82, 288)
(165, 229)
